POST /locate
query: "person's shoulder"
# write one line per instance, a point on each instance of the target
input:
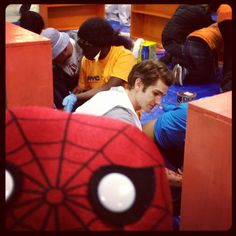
(121, 54)
(85, 63)
(126, 54)
(177, 112)
(183, 106)
(121, 49)
(173, 108)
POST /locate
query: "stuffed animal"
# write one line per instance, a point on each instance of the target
(79, 172)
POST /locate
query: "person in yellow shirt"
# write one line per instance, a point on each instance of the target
(107, 61)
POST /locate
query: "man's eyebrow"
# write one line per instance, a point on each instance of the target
(159, 91)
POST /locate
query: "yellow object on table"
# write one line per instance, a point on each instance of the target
(147, 51)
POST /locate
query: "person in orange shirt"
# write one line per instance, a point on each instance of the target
(186, 19)
(224, 19)
(107, 61)
(202, 50)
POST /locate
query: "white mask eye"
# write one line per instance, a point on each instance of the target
(116, 192)
(119, 195)
(9, 185)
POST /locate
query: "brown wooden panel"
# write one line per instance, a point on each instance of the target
(207, 184)
(69, 16)
(148, 20)
(28, 68)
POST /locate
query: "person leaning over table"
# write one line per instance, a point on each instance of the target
(202, 51)
(168, 132)
(107, 61)
(148, 82)
(186, 19)
(66, 58)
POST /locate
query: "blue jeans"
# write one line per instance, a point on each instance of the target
(201, 61)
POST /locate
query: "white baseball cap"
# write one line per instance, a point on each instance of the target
(59, 40)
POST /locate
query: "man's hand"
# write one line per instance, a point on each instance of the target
(174, 178)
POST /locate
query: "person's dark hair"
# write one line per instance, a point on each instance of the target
(98, 32)
(149, 71)
(24, 8)
(32, 21)
(212, 7)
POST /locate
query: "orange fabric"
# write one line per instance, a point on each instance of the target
(211, 35)
(224, 12)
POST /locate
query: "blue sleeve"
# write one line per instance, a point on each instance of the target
(170, 127)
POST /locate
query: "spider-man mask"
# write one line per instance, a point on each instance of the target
(79, 172)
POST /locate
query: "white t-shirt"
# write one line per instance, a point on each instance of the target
(105, 102)
(72, 64)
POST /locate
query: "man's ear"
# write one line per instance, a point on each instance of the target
(138, 84)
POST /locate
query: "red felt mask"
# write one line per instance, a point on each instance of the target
(59, 162)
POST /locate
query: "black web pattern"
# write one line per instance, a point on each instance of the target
(34, 209)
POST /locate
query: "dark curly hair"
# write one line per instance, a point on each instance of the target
(98, 32)
(32, 21)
